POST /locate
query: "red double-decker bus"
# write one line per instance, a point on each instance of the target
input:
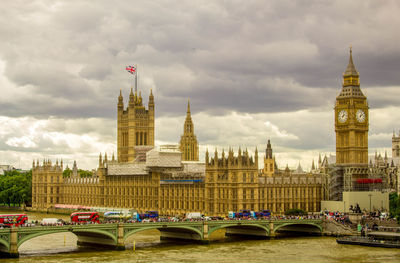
(13, 219)
(85, 217)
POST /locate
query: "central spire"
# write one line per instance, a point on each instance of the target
(188, 144)
(351, 69)
(188, 108)
(351, 81)
(188, 122)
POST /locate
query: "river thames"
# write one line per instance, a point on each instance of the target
(61, 247)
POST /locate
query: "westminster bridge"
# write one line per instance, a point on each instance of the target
(114, 235)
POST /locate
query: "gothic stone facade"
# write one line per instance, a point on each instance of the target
(165, 183)
(171, 180)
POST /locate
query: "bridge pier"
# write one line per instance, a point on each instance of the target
(13, 251)
(272, 234)
(205, 239)
(120, 238)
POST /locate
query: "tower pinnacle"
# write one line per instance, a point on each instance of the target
(188, 144)
(351, 69)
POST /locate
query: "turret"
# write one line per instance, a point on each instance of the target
(139, 100)
(268, 151)
(131, 99)
(256, 156)
(319, 160)
(151, 100)
(120, 101)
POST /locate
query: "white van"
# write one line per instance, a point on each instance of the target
(194, 215)
(50, 221)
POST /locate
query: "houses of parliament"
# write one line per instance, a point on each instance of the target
(171, 180)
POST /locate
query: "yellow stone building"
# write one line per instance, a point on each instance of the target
(281, 190)
(135, 126)
(231, 182)
(351, 128)
(351, 120)
(170, 179)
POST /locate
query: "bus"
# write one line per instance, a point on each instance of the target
(116, 215)
(264, 213)
(85, 217)
(244, 213)
(148, 215)
(152, 214)
(13, 219)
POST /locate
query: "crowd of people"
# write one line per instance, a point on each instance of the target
(337, 216)
(61, 222)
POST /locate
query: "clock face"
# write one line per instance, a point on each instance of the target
(360, 115)
(342, 116)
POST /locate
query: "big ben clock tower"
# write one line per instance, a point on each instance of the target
(351, 120)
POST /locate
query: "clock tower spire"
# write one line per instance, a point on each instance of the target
(351, 120)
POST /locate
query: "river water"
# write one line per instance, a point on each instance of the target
(61, 248)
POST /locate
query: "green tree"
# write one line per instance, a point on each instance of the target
(84, 173)
(394, 206)
(16, 188)
(67, 173)
(295, 212)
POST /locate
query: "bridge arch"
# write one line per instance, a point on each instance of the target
(70, 230)
(4, 245)
(239, 225)
(299, 224)
(129, 233)
(37, 234)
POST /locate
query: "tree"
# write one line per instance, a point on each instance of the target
(16, 188)
(295, 212)
(84, 173)
(394, 206)
(67, 173)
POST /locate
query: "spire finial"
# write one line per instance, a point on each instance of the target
(188, 107)
(351, 69)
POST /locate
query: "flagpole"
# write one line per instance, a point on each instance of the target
(136, 78)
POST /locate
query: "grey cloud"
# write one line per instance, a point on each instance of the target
(230, 49)
(66, 61)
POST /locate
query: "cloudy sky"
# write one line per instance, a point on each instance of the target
(253, 70)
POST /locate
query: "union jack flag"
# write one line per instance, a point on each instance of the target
(131, 69)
